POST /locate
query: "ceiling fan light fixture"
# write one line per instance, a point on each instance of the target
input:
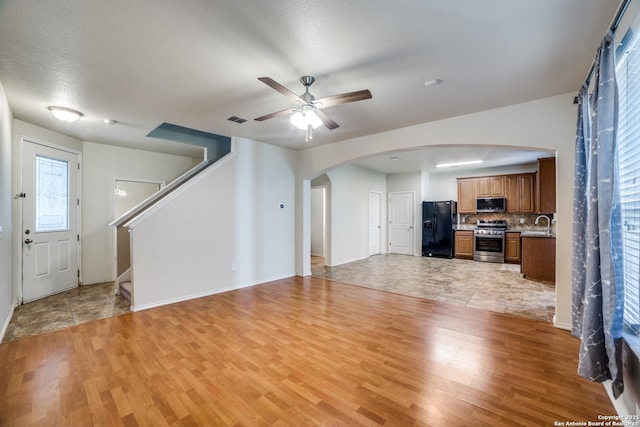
(305, 118)
(65, 114)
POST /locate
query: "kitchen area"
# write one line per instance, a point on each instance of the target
(501, 219)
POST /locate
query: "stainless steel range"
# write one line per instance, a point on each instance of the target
(488, 239)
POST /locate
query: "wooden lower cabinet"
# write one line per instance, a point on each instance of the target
(512, 248)
(539, 258)
(464, 244)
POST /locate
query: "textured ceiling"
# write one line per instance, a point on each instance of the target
(195, 63)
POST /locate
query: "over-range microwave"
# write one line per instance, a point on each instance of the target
(491, 204)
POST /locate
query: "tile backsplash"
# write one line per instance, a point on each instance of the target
(513, 221)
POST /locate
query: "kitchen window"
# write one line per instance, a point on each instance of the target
(628, 146)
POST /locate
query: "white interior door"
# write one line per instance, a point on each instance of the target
(50, 238)
(401, 208)
(375, 222)
(318, 221)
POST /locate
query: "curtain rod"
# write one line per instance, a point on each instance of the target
(613, 27)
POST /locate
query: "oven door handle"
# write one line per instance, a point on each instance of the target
(490, 236)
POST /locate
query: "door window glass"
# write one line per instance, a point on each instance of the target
(52, 194)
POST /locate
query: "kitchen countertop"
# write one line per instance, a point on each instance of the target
(464, 227)
(538, 232)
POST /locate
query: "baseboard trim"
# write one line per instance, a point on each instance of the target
(561, 325)
(7, 321)
(136, 308)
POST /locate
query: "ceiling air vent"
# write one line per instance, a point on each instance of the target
(236, 119)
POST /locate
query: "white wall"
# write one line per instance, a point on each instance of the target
(39, 134)
(102, 164)
(7, 295)
(317, 221)
(547, 123)
(229, 215)
(350, 186)
(401, 182)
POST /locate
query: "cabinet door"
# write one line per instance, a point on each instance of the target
(539, 258)
(546, 185)
(464, 244)
(520, 193)
(483, 187)
(466, 196)
(496, 184)
(527, 195)
(512, 248)
(512, 193)
(490, 186)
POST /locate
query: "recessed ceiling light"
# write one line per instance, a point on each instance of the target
(394, 158)
(434, 82)
(65, 114)
(110, 122)
(450, 165)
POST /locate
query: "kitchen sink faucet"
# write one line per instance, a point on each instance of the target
(548, 223)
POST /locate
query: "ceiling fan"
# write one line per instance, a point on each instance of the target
(308, 114)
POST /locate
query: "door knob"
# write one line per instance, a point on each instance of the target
(27, 241)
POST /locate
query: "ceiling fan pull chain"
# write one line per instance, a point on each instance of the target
(309, 133)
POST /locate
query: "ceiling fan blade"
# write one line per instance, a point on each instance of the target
(326, 120)
(276, 114)
(283, 90)
(343, 98)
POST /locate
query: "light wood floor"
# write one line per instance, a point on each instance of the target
(299, 352)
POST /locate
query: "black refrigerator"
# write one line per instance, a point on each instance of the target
(437, 228)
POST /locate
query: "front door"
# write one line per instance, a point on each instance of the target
(50, 237)
(401, 208)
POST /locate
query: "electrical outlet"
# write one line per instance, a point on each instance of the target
(521, 220)
(233, 266)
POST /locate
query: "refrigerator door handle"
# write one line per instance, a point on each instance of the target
(435, 225)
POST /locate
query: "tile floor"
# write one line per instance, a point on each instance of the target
(495, 287)
(80, 305)
(489, 286)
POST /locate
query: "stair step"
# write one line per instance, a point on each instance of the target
(125, 290)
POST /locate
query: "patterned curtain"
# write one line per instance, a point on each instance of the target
(597, 230)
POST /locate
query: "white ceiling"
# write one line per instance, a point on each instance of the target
(195, 63)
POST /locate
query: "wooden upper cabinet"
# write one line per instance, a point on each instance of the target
(527, 193)
(466, 195)
(520, 193)
(490, 186)
(546, 186)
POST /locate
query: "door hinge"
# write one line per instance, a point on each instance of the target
(78, 236)
(78, 202)
(78, 273)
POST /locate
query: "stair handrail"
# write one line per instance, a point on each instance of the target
(149, 201)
